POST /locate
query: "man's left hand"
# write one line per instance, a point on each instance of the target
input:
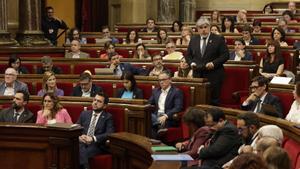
(162, 120)
(209, 66)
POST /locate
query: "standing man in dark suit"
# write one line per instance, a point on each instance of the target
(206, 55)
(97, 124)
(167, 100)
(259, 96)
(86, 88)
(18, 113)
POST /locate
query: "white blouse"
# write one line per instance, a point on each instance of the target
(294, 113)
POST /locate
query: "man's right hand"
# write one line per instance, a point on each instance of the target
(193, 65)
(252, 97)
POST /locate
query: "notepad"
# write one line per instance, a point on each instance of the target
(163, 148)
(171, 157)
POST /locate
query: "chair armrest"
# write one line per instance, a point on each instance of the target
(177, 116)
(238, 95)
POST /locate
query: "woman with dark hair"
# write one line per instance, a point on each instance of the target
(52, 111)
(162, 36)
(240, 53)
(294, 113)
(288, 16)
(74, 34)
(194, 119)
(215, 29)
(130, 90)
(176, 26)
(228, 25)
(49, 85)
(277, 158)
(268, 9)
(248, 37)
(109, 48)
(141, 52)
(132, 37)
(278, 35)
(184, 70)
(15, 62)
(248, 161)
(215, 17)
(273, 64)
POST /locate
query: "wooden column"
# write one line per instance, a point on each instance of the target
(166, 10)
(187, 10)
(5, 38)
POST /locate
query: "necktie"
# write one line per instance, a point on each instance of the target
(258, 106)
(203, 45)
(91, 130)
(16, 117)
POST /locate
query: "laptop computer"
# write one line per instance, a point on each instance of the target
(104, 71)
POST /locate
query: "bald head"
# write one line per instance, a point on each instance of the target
(10, 76)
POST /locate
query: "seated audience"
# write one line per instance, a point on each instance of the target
(141, 52)
(224, 143)
(167, 100)
(194, 119)
(158, 66)
(109, 48)
(106, 35)
(52, 111)
(172, 53)
(162, 36)
(284, 26)
(260, 97)
(248, 161)
(75, 51)
(176, 26)
(294, 113)
(119, 68)
(248, 37)
(292, 7)
(272, 64)
(278, 35)
(228, 25)
(241, 17)
(17, 112)
(97, 125)
(240, 53)
(47, 65)
(277, 158)
(271, 131)
(268, 9)
(10, 84)
(132, 37)
(49, 85)
(184, 70)
(15, 62)
(215, 17)
(256, 26)
(288, 16)
(186, 35)
(215, 29)
(150, 27)
(74, 34)
(130, 90)
(86, 87)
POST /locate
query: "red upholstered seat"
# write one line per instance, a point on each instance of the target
(94, 53)
(103, 161)
(107, 88)
(65, 67)
(91, 40)
(28, 66)
(34, 108)
(286, 100)
(118, 114)
(123, 52)
(298, 163)
(21, 55)
(146, 88)
(293, 149)
(79, 68)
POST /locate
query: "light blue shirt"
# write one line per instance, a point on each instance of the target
(127, 95)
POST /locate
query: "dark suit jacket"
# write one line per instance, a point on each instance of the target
(78, 92)
(223, 147)
(254, 41)
(216, 52)
(127, 67)
(174, 101)
(271, 100)
(7, 115)
(248, 56)
(137, 93)
(103, 128)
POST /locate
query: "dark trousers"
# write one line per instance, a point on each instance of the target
(88, 151)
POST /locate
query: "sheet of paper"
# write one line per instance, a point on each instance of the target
(281, 80)
(171, 157)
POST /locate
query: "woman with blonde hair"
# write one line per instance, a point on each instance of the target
(49, 85)
(186, 35)
(52, 111)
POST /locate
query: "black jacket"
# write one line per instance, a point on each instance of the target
(7, 115)
(78, 92)
(137, 93)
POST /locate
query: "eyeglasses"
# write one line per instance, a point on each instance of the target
(10, 74)
(202, 27)
(254, 87)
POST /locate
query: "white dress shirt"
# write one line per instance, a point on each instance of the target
(162, 101)
(9, 91)
(86, 94)
(294, 113)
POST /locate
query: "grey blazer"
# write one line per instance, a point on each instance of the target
(81, 55)
(18, 86)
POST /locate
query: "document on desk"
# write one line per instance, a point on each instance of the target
(171, 157)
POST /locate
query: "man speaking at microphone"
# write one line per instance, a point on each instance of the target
(51, 24)
(206, 55)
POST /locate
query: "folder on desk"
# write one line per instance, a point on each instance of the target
(171, 157)
(163, 148)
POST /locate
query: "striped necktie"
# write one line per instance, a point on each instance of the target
(91, 130)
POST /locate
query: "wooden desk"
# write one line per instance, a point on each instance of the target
(28, 146)
(132, 151)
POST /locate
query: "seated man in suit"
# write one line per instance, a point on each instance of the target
(120, 68)
(18, 113)
(75, 51)
(172, 53)
(259, 96)
(150, 27)
(86, 88)
(97, 125)
(11, 84)
(158, 66)
(47, 65)
(167, 100)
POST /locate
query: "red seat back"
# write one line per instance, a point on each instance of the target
(286, 99)
(107, 88)
(293, 149)
(79, 68)
(118, 114)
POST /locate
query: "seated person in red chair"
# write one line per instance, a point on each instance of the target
(47, 65)
(260, 96)
(167, 100)
(130, 90)
(97, 125)
(86, 88)
(18, 113)
(158, 66)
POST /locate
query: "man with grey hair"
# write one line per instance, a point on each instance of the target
(206, 55)
(47, 65)
(10, 84)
